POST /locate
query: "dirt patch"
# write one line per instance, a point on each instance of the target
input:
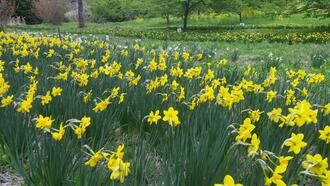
(10, 179)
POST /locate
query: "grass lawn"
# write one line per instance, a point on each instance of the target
(298, 52)
(195, 22)
(202, 20)
(294, 55)
(293, 29)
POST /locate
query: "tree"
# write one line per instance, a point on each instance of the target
(234, 6)
(277, 7)
(24, 9)
(7, 9)
(51, 11)
(316, 8)
(165, 8)
(188, 6)
(81, 13)
(118, 10)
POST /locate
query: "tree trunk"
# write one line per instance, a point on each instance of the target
(168, 19)
(240, 17)
(81, 13)
(186, 10)
(185, 20)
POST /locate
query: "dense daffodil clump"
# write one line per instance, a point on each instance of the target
(180, 112)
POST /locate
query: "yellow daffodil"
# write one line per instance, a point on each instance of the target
(88, 97)
(154, 117)
(325, 134)
(120, 151)
(315, 164)
(56, 91)
(101, 106)
(59, 134)
(255, 142)
(171, 116)
(275, 114)
(326, 109)
(254, 115)
(6, 101)
(44, 122)
(119, 169)
(94, 159)
(228, 181)
(245, 130)
(46, 99)
(271, 95)
(295, 143)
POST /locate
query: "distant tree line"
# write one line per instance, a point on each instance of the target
(36, 11)
(121, 10)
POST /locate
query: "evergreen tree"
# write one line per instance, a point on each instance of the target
(24, 8)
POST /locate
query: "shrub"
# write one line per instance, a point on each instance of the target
(116, 10)
(51, 11)
(24, 9)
